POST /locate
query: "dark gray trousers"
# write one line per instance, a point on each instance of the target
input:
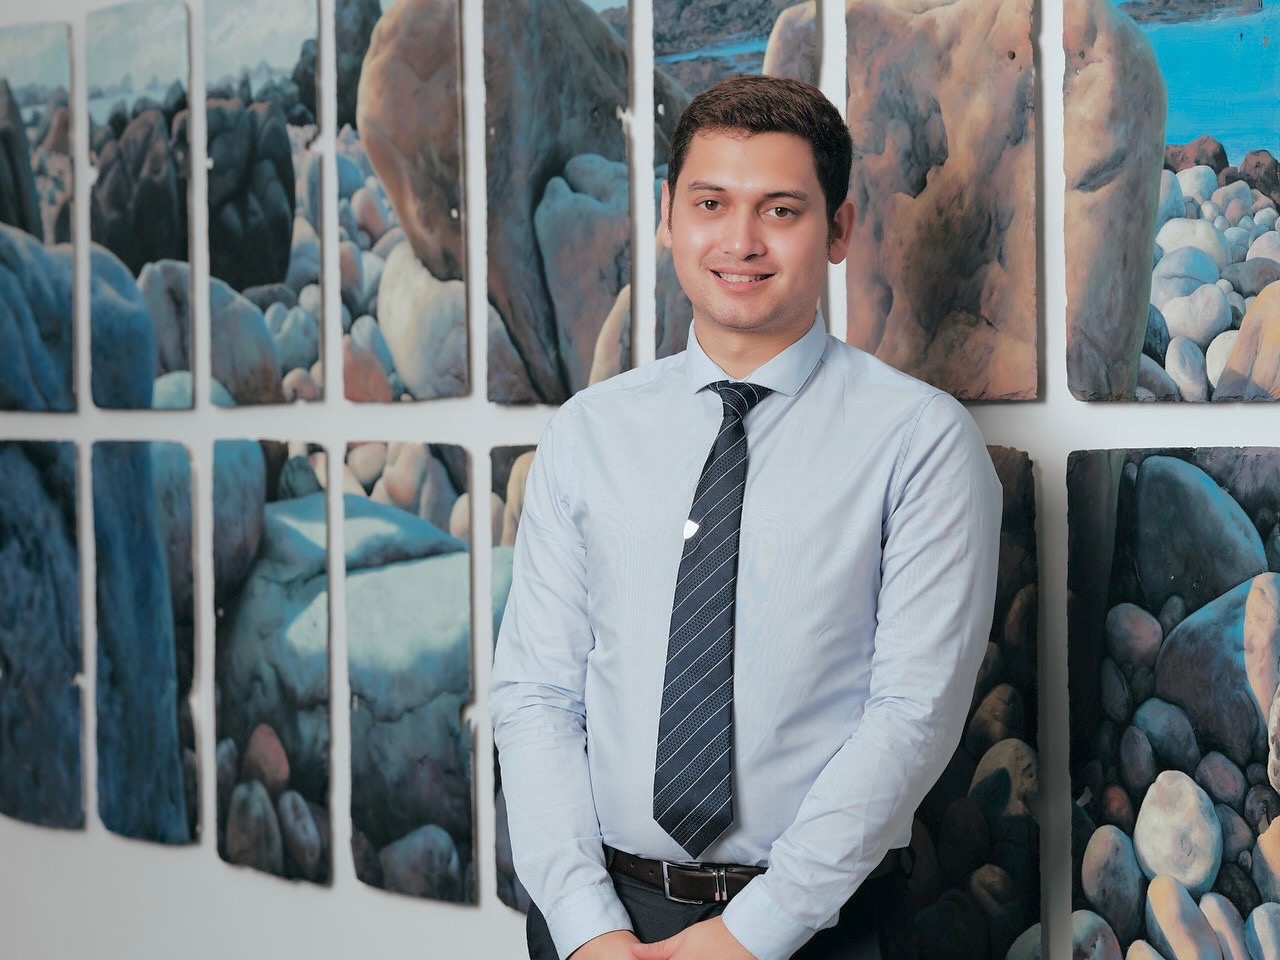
(656, 918)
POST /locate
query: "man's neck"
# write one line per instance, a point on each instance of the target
(739, 353)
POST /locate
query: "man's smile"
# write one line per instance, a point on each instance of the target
(741, 277)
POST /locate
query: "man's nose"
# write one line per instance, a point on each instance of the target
(743, 237)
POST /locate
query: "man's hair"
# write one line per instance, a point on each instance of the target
(756, 104)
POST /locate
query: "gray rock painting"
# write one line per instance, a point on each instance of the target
(271, 670)
(695, 44)
(407, 519)
(138, 146)
(941, 274)
(1174, 640)
(1177, 303)
(147, 762)
(400, 179)
(36, 342)
(975, 884)
(264, 205)
(510, 470)
(559, 204)
(40, 779)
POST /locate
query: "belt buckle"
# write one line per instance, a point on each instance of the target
(666, 881)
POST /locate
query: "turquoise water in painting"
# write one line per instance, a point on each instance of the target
(1223, 79)
(729, 50)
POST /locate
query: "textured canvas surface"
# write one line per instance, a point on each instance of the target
(137, 70)
(271, 669)
(35, 218)
(407, 515)
(1173, 621)
(147, 761)
(1172, 186)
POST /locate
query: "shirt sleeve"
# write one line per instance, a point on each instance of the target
(941, 538)
(536, 704)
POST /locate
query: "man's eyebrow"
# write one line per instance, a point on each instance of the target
(705, 186)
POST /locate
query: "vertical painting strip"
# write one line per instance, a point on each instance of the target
(147, 786)
(941, 271)
(1171, 132)
(264, 202)
(137, 70)
(400, 178)
(1173, 643)
(696, 44)
(271, 663)
(510, 470)
(556, 84)
(35, 219)
(40, 654)
(407, 519)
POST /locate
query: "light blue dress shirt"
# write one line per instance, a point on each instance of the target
(866, 584)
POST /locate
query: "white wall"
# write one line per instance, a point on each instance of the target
(93, 894)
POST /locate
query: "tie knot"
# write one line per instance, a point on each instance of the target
(739, 398)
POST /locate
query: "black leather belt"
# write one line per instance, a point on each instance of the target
(687, 882)
(713, 882)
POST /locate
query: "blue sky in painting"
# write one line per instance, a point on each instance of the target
(243, 33)
(36, 53)
(140, 39)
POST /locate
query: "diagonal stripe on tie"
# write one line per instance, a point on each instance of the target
(693, 775)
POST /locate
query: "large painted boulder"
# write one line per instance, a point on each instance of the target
(942, 264)
(36, 336)
(1114, 110)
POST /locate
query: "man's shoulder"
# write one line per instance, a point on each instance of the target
(866, 374)
(648, 378)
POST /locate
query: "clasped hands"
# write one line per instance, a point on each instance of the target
(707, 940)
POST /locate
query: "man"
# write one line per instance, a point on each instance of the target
(759, 656)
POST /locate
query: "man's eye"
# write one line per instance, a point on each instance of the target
(709, 204)
(783, 212)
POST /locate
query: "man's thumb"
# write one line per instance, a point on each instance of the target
(654, 951)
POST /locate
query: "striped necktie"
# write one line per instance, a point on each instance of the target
(692, 789)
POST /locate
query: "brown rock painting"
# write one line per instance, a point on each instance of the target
(1171, 201)
(1173, 635)
(401, 194)
(941, 273)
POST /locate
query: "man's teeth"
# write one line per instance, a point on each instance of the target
(740, 278)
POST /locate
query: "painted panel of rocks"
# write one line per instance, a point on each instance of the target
(556, 83)
(271, 668)
(39, 635)
(696, 44)
(137, 72)
(1172, 252)
(942, 265)
(264, 202)
(974, 889)
(1174, 639)
(147, 766)
(407, 521)
(35, 219)
(510, 470)
(399, 159)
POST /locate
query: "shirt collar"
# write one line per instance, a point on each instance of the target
(786, 373)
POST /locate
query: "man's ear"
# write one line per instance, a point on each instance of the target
(842, 232)
(664, 226)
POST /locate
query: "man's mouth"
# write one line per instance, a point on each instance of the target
(742, 277)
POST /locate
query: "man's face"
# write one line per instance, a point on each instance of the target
(748, 232)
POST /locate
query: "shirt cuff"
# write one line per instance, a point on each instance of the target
(764, 928)
(585, 915)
